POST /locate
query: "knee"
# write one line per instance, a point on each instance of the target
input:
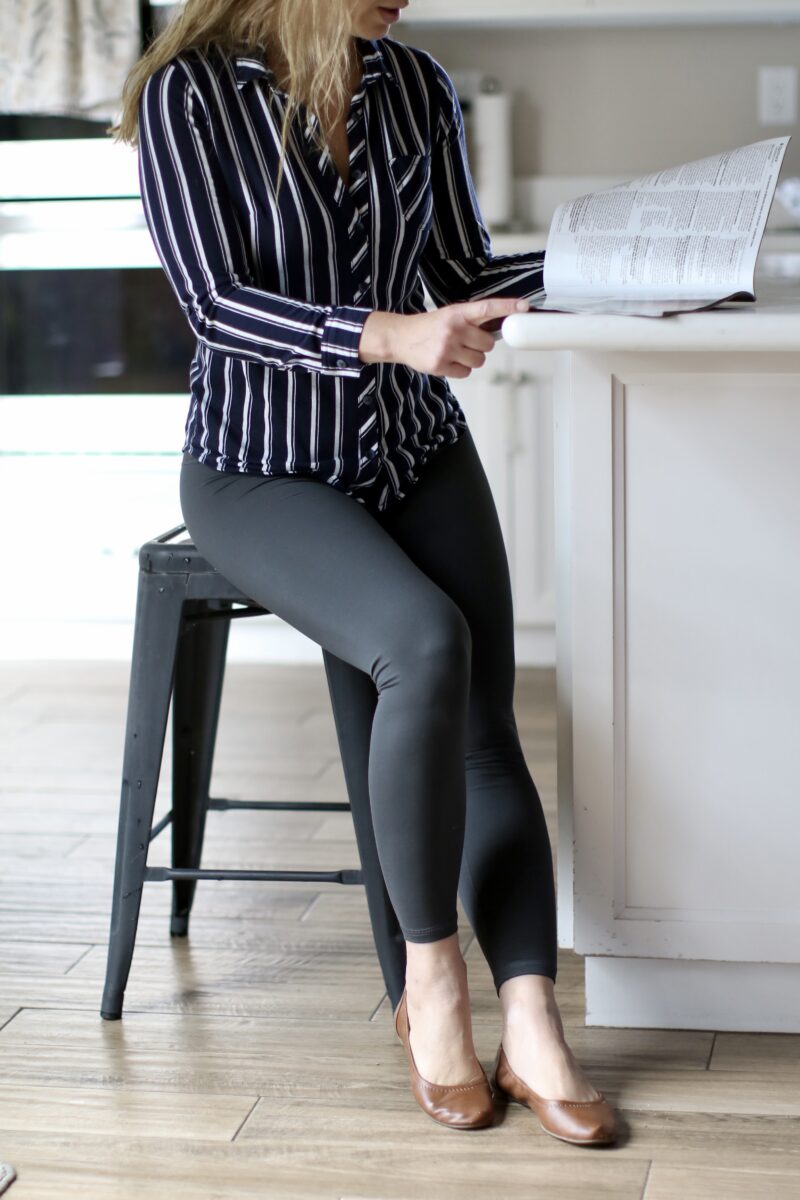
(444, 645)
(432, 648)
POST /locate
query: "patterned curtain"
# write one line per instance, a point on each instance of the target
(67, 57)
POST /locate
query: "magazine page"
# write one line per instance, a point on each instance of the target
(689, 233)
(619, 306)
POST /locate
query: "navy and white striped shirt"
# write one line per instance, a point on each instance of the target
(277, 290)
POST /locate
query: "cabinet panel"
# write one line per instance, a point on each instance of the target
(600, 12)
(87, 478)
(486, 400)
(681, 656)
(85, 519)
(509, 409)
(531, 521)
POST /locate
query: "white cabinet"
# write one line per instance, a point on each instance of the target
(86, 479)
(531, 522)
(678, 502)
(484, 397)
(599, 12)
(509, 408)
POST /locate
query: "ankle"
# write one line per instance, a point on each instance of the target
(523, 1020)
(435, 966)
(526, 996)
(448, 989)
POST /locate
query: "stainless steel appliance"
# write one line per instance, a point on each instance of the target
(95, 355)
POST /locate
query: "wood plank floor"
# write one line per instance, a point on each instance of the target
(257, 1058)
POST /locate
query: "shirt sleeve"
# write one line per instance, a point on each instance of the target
(457, 262)
(199, 240)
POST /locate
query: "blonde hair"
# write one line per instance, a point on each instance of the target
(313, 38)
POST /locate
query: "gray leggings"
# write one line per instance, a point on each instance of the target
(412, 609)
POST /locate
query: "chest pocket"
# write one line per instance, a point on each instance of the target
(411, 175)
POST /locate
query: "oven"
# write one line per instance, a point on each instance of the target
(95, 354)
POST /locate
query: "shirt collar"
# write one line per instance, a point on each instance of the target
(375, 59)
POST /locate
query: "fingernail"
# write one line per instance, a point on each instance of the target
(522, 305)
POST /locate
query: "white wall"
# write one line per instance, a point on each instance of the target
(625, 100)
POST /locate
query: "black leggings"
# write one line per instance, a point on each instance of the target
(416, 604)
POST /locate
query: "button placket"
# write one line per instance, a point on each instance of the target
(352, 203)
(360, 256)
(356, 197)
(369, 429)
(355, 214)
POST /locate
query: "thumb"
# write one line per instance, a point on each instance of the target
(492, 306)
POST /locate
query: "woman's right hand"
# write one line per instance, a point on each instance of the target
(451, 340)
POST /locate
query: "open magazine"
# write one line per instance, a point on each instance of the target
(674, 241)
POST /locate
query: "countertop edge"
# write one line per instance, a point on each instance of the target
(772, 324)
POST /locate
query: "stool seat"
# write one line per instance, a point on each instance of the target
(184, 608)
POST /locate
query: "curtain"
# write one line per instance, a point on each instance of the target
(67, 57)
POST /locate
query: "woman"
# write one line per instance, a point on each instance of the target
(302, 174)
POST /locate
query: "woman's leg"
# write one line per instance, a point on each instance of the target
(313, 556)
(449, 526)
(353, 701)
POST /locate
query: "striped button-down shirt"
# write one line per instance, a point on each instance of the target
(277, 288)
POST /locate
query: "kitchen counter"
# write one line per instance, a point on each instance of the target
(771, 323)
(677, 532)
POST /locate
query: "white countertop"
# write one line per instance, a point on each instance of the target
(771, 323)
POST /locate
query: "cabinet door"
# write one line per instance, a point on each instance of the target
(99, 475)
(530, 487)
(508, 406)
(485, 397)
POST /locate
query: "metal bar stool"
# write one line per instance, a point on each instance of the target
(183, 612)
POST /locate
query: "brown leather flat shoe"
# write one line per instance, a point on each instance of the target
(584, 1122)
(467, 1105)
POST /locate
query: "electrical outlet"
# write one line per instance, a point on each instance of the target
(777, 95)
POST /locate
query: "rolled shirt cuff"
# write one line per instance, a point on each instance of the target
(341, 335)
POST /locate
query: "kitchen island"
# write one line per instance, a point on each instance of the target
(677, 500)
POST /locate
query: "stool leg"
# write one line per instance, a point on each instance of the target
(159, 604)
(196, 697)
(353, 698)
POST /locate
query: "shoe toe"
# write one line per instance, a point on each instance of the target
(583, 1122)
(468, 1108)
(590, 1121)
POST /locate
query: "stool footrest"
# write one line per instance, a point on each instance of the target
(294, 805)
(225, 805)
(164, 874)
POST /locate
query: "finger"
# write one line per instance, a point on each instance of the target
(493, 306)
(477, 337)
(468, 357)
(456, 370)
